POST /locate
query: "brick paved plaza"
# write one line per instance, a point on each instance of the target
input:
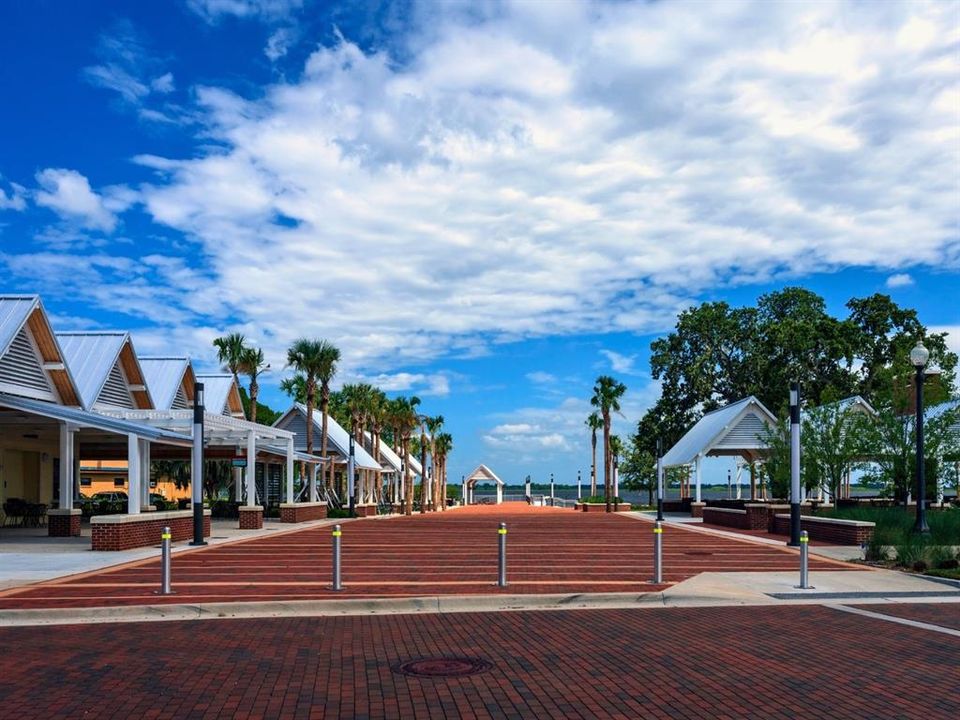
(548, 551)
(795, 661)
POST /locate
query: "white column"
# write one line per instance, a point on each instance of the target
(697, 470)
(464, 493)
(313, 482)
(251, 469)
(144, 474)
(499, 494)
(133, 475)
(238, 484)
(616, 481)
(66, 465)
(290, 497)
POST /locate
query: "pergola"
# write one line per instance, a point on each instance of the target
(735, 430)
(481, 474)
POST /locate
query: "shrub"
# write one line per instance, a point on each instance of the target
(875, 550)
(943, 558)
(600, 499)
(913, 554)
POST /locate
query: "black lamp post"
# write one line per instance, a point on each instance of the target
(918, 357)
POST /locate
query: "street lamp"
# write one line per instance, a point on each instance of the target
(918, 358)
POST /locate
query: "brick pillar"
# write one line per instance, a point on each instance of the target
(63, 522)
(251, 517)
(696, 509)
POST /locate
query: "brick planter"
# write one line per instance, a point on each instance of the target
(728, 517)
(302, 512)
(598, 507)
(696, 509)
(63, 522)
(365, 510)
(251, 517)
(757, 516)
(124, 532)
(832, 530)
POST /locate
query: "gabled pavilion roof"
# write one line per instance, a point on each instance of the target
(731, 430)
(170, 381)
(31, 360)
(483, 474)
(221, 394)
(338, 439)
(392, 460)
(106, 369)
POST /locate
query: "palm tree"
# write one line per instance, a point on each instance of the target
(606, 398)
(315, 360)
(616, 450)
(253, 364)
(402, 416)
(296, 388)
(443, 445)
(230, 351)
(594, 423)
(423, 419)
(433, 426)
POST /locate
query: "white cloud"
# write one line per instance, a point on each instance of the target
(280, 42)
(14, 199)
(541, 378)
(499, 177)
(899, 280)
(953, 335)
(68, 193)
(163, 84)
(213, 10)
(620, 363)
(417, 383)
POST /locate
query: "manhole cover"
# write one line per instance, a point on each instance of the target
(443, 667)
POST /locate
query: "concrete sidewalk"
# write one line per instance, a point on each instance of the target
(32, 556)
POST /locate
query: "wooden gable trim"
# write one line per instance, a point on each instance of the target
(131, 368)
(50, 352)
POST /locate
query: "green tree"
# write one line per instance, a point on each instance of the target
(638, 470)
(316, 361)
(830, 442)
(607, 392)
(594, 422)
(230, 352)
(253, 365)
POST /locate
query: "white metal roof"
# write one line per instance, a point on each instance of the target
(216, 391)
(91, 357)
(98, 421)
(392, 458)
(164, 376)
(217, 429)
(710, 430)
(14, 311)
(336, 436)
(483, 473)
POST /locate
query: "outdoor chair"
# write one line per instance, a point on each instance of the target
(14, 512)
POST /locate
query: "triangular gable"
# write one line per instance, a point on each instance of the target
(221, 395)
(736, 427)
(106, 369)
(338, 439)
(170, 381)
(392, 460)
(483, 474)
(31, 361)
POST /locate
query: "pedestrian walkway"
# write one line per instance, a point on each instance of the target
(549, 550)
(724, 662)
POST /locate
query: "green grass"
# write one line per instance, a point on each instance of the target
(895, 524)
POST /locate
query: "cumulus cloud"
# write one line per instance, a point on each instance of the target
(499, 178)
(899, 280)
(541, 378)
(68, 193)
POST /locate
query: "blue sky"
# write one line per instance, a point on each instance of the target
(483, 204)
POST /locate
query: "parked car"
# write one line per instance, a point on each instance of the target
(158, 501)
(111, 496)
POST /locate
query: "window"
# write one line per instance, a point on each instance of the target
(119, 482)
(86, 481)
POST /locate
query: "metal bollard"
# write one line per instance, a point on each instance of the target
(502, 575)
(804, 561)
(657, 552)
(337, 584)
(165, 562)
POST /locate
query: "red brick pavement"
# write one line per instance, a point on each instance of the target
(784, 662)
(943, 614)
(548, 551)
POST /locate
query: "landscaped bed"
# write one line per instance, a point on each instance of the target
(894, 541)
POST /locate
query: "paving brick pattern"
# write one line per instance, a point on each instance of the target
(724, 663)
(943, 614)
(548, 551)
